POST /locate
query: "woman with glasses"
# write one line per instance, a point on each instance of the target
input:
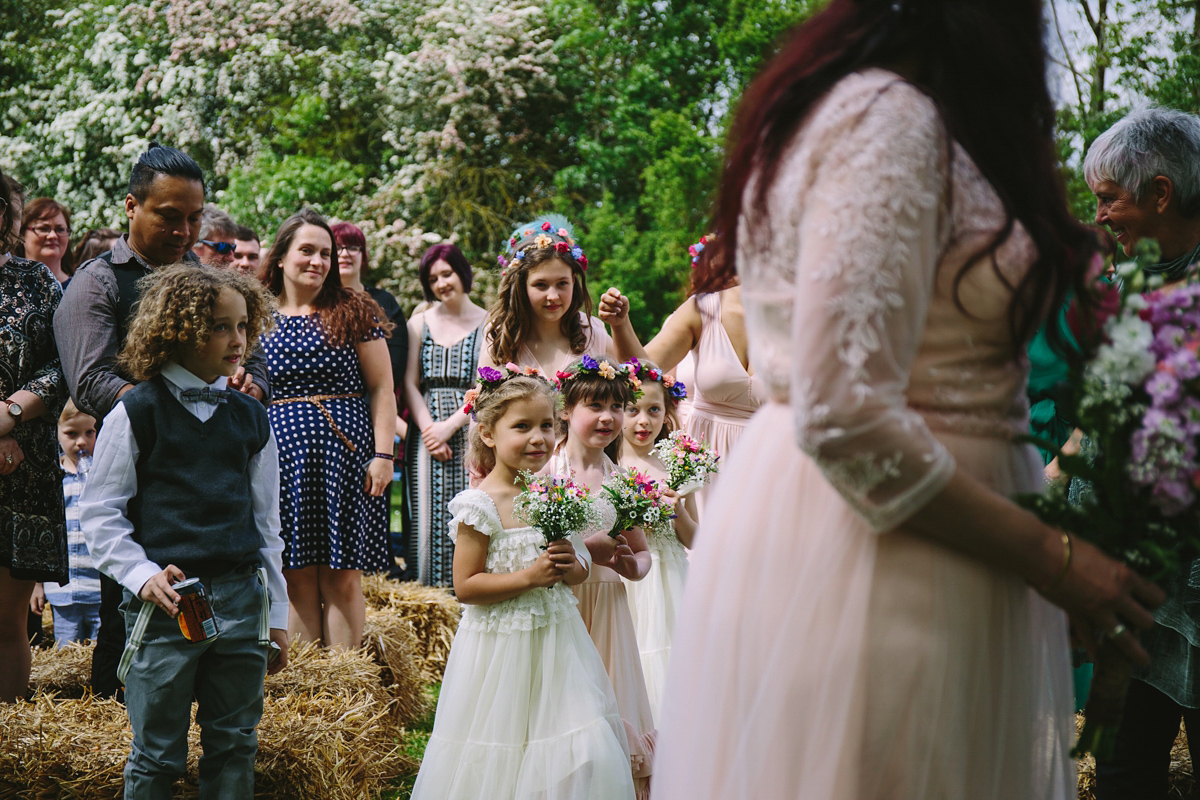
(45, 237)
(353, 261)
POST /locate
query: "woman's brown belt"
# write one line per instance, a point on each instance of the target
(318, 400)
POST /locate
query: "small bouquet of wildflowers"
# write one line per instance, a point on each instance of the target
(555, 506)
(1138, 402)
(689, 463)
(639, 502)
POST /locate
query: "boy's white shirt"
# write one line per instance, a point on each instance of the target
(112, 483)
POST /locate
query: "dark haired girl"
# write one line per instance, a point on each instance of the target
(867, 614)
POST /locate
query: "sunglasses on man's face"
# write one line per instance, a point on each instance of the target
(220, 248)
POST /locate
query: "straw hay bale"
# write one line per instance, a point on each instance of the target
(336, 746)
(434, 614)
(392, 642)
(331, 745)
(313, 669)
(1180, 780)
(65, 671)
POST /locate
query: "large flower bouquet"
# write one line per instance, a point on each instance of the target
(1138, 402)
(555, 506)
(689, 463)
(639, 501)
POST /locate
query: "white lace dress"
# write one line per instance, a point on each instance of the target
(526, 710)
(654, 603)
(822, 652)
(604, 607)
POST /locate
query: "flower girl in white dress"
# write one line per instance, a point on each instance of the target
(595, 392)
(655, 600)
(526, 709)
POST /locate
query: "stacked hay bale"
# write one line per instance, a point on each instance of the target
(332, 720)
(1181, 779)
(433, 615)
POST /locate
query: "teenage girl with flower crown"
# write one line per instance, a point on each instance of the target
(526, 710)
(542, 316)
(595, 392)
(655, 600)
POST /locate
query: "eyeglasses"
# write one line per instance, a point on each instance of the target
(221, 248)
(49, 230)
(350, 248)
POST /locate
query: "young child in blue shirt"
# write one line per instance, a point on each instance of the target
(185, 484)
(76, 604)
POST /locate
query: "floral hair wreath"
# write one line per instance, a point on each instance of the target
(641, 372)
(565, 244)
(695, 250)
(605, 369)
(491, 378)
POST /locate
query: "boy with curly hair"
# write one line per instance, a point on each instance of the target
(187, 486)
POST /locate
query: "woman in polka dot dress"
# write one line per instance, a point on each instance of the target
(334, 415)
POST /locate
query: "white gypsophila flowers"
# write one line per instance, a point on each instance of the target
(1126, 358)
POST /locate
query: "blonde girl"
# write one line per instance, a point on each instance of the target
(654, 601)
(526, 710)
(595, 392)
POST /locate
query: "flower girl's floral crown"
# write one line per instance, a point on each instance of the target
(551, 231)
(642, 372)
(491, 379)
(604, 368)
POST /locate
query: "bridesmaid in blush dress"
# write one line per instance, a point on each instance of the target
(875, 619)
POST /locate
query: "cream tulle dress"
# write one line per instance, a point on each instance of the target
(823, 654)
(654, 603)
(604, 607)
(526, 710)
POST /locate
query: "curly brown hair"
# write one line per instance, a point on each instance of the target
(174, 314)
(346, 316)
(490, 407)
(510, 321)
(12, 201)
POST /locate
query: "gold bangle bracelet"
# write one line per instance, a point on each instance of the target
(1066, 565)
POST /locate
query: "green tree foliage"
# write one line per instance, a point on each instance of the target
(651, 84)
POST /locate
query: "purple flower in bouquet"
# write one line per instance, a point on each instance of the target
(589, 362)
(1164, 389)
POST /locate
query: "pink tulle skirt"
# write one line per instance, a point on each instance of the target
(816, 660)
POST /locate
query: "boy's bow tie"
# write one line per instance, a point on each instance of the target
(207, 395)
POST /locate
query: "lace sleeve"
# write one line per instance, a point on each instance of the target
(869, 241)
(475, 508)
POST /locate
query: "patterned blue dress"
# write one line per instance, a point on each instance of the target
(446, 375)
(320, 414)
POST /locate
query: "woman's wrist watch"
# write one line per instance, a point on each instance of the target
(15, 411)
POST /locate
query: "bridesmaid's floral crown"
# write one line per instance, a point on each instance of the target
(604, 368)
(491, 379)
(695, 250)
(643, 372)
(540, 236)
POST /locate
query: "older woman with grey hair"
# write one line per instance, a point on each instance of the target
(1145, 173)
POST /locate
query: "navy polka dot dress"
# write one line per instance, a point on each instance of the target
(327, 517)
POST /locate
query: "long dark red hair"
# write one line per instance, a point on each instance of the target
(345, 315)
(983, 64)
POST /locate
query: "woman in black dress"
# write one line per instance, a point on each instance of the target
(33, 529)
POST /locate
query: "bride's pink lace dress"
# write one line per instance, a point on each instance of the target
(822, 654)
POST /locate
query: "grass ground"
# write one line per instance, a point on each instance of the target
(413, 742)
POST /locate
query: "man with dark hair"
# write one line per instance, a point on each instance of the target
(164, 207)
(217, 232)
(246, 250)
